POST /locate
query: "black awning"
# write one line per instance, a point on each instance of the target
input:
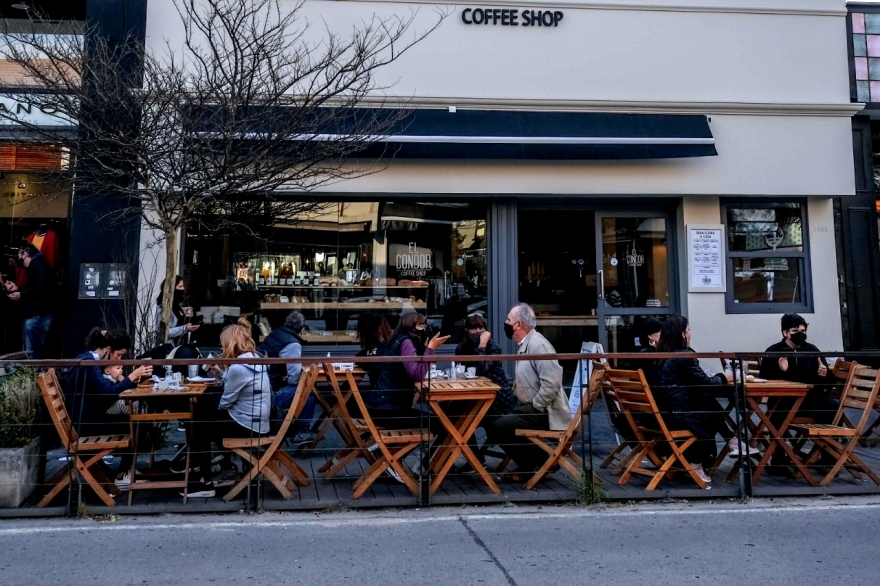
(490, 134)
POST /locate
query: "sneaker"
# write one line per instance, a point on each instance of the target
(227, 477)
(180, 468)
(200, 489)
(302, 438)
(123, 483)
(702, 473)
(737, 449)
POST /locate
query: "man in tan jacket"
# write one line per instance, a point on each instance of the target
(538, 388)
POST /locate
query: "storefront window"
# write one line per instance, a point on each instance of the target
(350, 259)
(767, 258)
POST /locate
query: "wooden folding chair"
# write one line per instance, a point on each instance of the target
(274, 463)
(841, 373)
(85, 454)
(635, 396)
(354, 431)
(840, 441)
(558, 444)
(623, 428)
(392, 446)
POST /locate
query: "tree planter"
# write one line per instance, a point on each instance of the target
(18, 473)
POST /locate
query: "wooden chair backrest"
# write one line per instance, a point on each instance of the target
(860, 392)
(589, 395)
(303, 388)
(619, 419)
(365, 415)
(54, 399)
(752, 367)
(634, 396)
(333, 380)
(841, 369)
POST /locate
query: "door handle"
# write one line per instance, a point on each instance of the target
(601, 274)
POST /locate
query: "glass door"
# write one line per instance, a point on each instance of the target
(635, 278)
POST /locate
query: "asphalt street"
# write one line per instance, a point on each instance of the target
(785, 542)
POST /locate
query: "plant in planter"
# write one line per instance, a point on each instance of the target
(19, 430)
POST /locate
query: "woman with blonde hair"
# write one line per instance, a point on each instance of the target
(244, 407)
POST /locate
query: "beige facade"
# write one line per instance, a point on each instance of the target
(771, 76)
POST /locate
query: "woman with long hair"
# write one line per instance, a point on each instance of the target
(243, 409)
(394, 391)
(180, 313)
(685, 395)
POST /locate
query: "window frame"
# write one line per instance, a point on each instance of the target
(806, 304)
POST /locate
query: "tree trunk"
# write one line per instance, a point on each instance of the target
(168, 286)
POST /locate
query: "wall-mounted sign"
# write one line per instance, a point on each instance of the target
(511, 17)
(102, 280)
(706, 265)
(15, 108)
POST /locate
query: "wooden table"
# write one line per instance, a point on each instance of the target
(145, 392)
(480, 392)
(329, 411)
(774, 391)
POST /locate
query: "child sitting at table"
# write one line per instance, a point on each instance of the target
(113, 373)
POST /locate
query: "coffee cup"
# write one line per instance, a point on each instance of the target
(162, 385)
(471, 372)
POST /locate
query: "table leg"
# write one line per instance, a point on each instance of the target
(778, 438)
(468, 424)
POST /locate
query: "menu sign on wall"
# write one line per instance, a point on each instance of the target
(706, 258)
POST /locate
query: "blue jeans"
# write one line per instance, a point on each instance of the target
(33, 333)
(282, 400)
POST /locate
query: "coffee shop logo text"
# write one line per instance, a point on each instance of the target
(511, 17)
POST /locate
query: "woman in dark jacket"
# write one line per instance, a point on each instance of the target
(685, 395)
(396, 384)
(477, 341)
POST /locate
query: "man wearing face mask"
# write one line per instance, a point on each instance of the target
(36, 295)
(286, 342)
(541, 400)
(813, 371)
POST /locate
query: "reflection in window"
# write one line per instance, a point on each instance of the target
(767, 257)
(350, 259)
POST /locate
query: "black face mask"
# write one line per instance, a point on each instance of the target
(475, 339)
(422, 335)
(19, 262)
(799, 338)
(508, 330)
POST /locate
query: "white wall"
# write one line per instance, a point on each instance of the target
(770, 51)
(713, 330)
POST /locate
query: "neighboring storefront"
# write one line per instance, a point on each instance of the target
(631, 159)
(858, 241)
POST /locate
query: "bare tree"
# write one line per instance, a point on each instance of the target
(251, 102)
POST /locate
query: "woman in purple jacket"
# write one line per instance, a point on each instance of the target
(397, 380)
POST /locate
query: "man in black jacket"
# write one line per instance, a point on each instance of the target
(37, 297)
(286, 342)
(812, 371)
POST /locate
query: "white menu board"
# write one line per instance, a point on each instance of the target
(706, 258)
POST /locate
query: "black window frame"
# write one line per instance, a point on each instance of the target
(806, 304)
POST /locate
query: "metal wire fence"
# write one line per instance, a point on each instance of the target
(81, 437)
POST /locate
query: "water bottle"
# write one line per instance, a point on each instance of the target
(453, 374)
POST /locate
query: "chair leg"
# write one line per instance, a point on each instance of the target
(298, 473)
(92, 482)
(61, 479)
(248, 477)
(611, 457)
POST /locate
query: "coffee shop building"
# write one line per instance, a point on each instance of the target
(603, 161)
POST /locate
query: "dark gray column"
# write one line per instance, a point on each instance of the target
(503, 278)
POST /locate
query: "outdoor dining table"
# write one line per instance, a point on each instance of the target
(147, 392)
(439, 395)
(329, 411)
(774, 391)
